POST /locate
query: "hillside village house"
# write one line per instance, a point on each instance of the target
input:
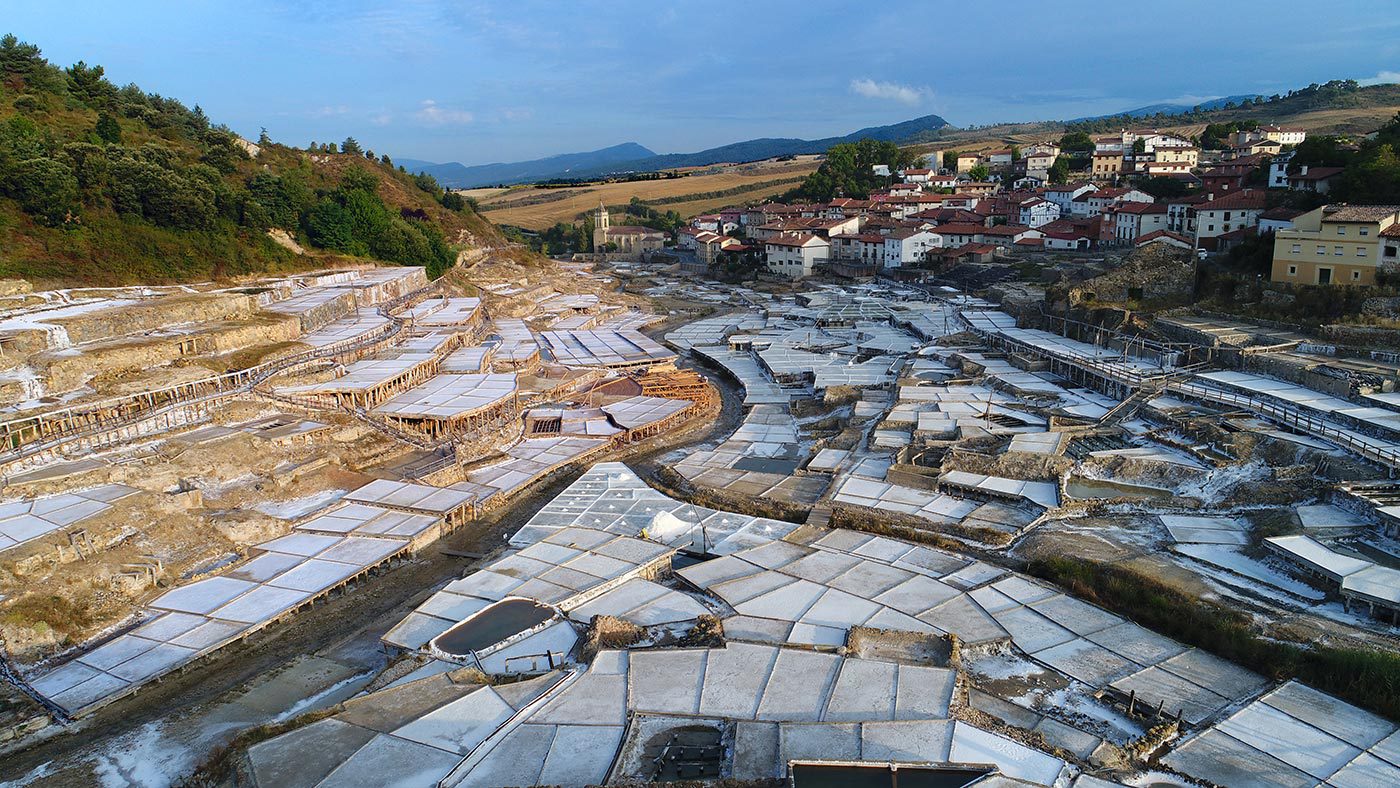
(966, 161)
(1313, 179)
(794, 256)
(1042, 148)
(1259, 147)
(1338, 244)
(907, 246)
(1106, 164)
(978, 188)
(1279, 134)
(1038, 161)
(999, 159)
(1110, 144)
(1176, 154)
(1093, 203)
(1036, 212)
(1063, 195)
(1227, 214)
(862, 249)
(1132, 220)
(917, 176)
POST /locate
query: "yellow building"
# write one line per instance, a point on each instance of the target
(1336, 245)
(1177, 154)
(1107, 164)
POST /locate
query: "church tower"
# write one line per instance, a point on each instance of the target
(600, 228)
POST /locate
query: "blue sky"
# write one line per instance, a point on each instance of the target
(478, 82)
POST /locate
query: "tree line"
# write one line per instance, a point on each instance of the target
(75, 146)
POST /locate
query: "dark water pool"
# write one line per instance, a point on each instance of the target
(492, 625)
(872, 776)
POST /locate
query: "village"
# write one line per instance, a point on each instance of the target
(1004, 204)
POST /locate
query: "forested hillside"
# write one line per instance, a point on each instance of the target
(108, 185)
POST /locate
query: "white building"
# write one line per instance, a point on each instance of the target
(793, 256)
(1036, 212)
(1063, 195)
(905, 246)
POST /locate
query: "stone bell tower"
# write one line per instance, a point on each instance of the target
(600, 227)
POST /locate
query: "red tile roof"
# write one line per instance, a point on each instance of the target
(1249, 199)
(792, 240)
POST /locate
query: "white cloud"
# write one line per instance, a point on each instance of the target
(382, 119)
(436, 115)
(904, 94)
(329, 111)
(1383, 78)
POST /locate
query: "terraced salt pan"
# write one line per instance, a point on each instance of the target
(25, 520)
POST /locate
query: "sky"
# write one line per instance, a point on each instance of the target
(480, 82)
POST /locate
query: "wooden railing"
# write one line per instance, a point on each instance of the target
(1370, 448)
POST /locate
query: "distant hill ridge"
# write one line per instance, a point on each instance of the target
(607, 161)
(562, 166)
(1169, 109)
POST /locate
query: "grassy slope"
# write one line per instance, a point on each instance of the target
(104, 248)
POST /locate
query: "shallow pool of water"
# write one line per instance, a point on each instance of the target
(1084, 489)
(492, 625)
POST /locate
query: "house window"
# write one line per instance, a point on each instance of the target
(1321, 249)
(1363, 231)
(1355, 276)
(1210, 228)
(1360, 251)
(1297, 248)
(1341, 230)
(1292, 270)
(1227, 216)
(1390, 251)
(1337, 250)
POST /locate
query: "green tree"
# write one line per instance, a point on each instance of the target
(979, 172)
(1059, 171)
(350, 146)
(1139, 146)
(1162, 187)
(43, 187)
(1077, 142)
(108, 130)
(89, 86)
(848, 170)
(453, 201)
(950, 160)
(20, 60)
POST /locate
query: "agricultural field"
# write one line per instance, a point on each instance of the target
(537, 209)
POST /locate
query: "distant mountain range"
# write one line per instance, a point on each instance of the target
(1169, 109)
(631, 157)
(562, 166)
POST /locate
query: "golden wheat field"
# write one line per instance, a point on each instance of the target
(538, 209)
